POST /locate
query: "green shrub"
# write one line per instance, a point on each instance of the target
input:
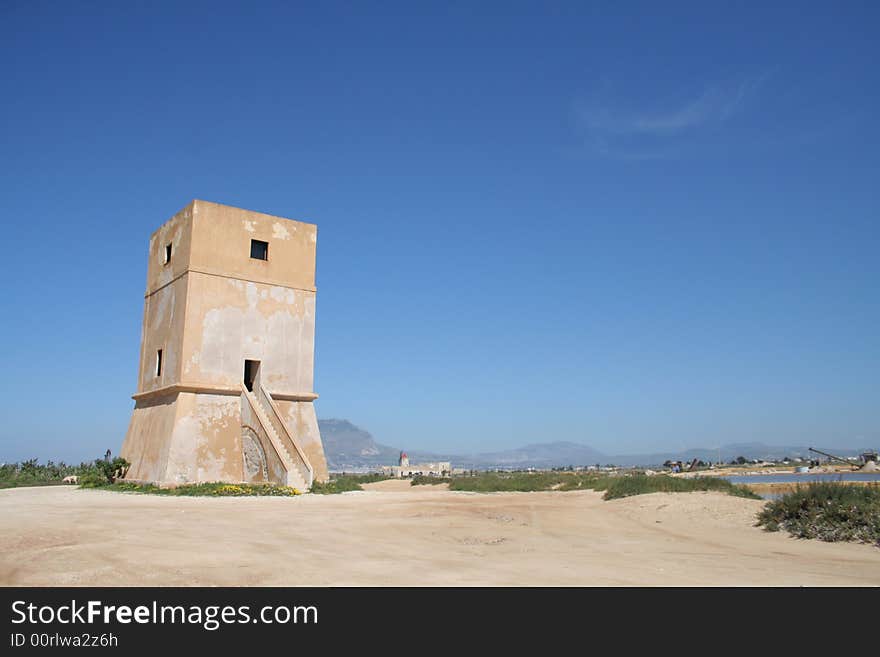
(32, 473)
(212, 489)
(614, 486)
(96, 478)
(642, 484)
(344, 483)
(424, 480)
(103, 473)
(93, 480)
(491, 482)
(829, 511)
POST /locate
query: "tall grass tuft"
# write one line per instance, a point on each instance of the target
(829, 511)
(642, 484)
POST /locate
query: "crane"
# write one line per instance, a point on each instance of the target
(831, 456)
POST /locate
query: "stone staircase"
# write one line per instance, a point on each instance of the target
(299, 471)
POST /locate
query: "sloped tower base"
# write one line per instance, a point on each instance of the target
(198, 437)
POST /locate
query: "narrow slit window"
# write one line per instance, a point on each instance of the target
(159, 362)
(259, 250)
(167, 253)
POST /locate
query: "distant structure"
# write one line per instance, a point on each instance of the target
(227, 352)
(405, 469)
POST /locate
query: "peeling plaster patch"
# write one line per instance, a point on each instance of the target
(210, 409)
(301, 419)
(309, 303)
(273, 325)
(280, 232)
(249, 226)
(164, 310)
(180, 453)
(195, 434)
(283, 295)
(192, 362)
(253, 294)
(219, 343)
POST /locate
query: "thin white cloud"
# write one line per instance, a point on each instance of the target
(609, 128)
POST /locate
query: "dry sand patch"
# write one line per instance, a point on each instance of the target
(401, 535)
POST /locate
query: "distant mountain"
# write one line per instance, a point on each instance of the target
(542, 455)
(349, 447)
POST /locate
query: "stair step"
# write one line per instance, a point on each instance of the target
(291, 464)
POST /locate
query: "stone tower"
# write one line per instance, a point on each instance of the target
(227, 352)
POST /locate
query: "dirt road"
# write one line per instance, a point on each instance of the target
(394, 534)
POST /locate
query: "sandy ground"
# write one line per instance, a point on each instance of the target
(394, 534)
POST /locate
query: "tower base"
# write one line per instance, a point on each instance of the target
(198, 437)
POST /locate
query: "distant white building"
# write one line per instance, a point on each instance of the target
(406, 469)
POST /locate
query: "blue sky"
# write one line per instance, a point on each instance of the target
(639, 226)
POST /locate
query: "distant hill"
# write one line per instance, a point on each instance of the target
(349, 447)
(541, 455)
(729, 452)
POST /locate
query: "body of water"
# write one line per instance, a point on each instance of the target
(805, 478)
(792, 478)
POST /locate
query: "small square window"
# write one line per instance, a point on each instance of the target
(259, 250)
(167, 253)
(159, 362)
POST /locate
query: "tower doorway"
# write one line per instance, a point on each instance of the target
(251, 369)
